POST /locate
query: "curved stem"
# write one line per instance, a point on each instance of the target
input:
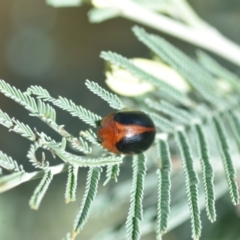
(188, 15)
(205, 37)
(7, 182)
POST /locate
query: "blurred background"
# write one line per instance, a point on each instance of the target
(59, 49)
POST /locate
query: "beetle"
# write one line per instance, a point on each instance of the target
(126, 132)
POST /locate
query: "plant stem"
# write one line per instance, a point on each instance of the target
(205, 37)
(25, 177)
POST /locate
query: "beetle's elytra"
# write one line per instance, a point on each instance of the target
(127, 132)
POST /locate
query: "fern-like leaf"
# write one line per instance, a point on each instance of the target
(223, 144)
(234, 122)
(90, 136)
(81, 145)
(84, 161)
(136, 209)
(112, 99)
(40, 92)
(89, 195)
(123, 62)
(164, 186)
(207, 170)
(33, 159)
(8, 163)
(77, 111)
(169, 109)
(175, 57)
(16, 126)
(191, 182)
(21, 98)
(41, 110)
(71, 188)
(5, 120)
(24, 130)
(162, 123)
(218, 70)
(45, 111)
(112, 173)
(41, 190)
(196, 75)
(67, 105)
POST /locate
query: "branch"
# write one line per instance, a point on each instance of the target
(12, 180)
(205, 37)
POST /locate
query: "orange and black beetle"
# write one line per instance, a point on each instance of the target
(127, 132)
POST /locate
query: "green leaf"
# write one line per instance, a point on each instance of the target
(90, 136)
(123, 62)
(77, 111)
(136, 197)
(207, 170)
(33, 159)
(223, 144)
(170, 110)
(8, 163)
(164, 187)
(41, 109)
(196, 75)
(81, 145)
(24, 130)
(71, 188)
(5, 120)
(218, 70)
(112, 99)
(112, 173)
(89, 195)
(21, 98)
(234, 123)
(16, 126)
(40, 190)
(40, 92)
(162, 123)
(191, 182)
(45, 111)
(84, 161)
